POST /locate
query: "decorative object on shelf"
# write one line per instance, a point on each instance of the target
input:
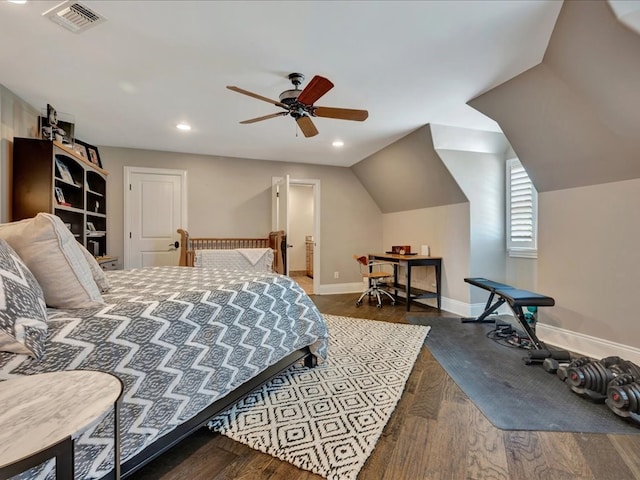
(91, 227)
(56, 126)
(91, 153)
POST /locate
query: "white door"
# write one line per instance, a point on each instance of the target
(155, 207)
(280, 208)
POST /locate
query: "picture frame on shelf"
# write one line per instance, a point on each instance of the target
(59, 195)
(91, 227)
(65, 174)
(81, 150)
(91, 153)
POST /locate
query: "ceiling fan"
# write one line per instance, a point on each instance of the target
(300, 104)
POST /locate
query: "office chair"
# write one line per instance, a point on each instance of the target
(374, 272)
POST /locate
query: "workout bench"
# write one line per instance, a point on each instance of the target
(516, 299)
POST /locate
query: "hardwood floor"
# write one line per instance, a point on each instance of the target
(435, 433)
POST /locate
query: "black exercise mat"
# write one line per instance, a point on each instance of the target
(512, 395)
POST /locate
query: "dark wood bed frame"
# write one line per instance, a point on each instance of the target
(172, 438)
(276, 241)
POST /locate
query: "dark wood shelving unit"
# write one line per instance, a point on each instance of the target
(44, 172)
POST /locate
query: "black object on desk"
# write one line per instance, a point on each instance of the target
(410, 261)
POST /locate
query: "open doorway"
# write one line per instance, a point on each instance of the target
(302, 234)
(296, 209)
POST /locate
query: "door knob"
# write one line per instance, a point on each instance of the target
(175, 244)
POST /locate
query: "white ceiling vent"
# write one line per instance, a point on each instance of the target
(74, 16)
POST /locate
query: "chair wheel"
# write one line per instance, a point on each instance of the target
(379, 305)
(358, 304)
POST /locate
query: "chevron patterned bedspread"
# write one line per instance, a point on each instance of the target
(179, 338)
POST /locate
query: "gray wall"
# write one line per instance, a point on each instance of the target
(232, 197)
(573, 119)
(590, 260)
(408, 174)
(573, 122)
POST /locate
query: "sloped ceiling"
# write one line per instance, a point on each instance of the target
(574, 119)
(408, 175)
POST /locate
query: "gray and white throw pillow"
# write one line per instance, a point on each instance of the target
(23, 312)
(54, 257)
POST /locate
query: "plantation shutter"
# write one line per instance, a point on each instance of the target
(521, 209)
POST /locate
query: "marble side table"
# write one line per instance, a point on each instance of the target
(41, 415)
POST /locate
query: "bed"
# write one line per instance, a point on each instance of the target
(185, 342)
(276, 241)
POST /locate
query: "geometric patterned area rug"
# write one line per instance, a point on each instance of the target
(328, 419)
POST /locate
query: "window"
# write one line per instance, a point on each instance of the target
(522, 212)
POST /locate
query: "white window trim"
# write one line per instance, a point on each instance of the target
(531, 248)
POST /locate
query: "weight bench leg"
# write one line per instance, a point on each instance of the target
(517, 310)
(488, 310)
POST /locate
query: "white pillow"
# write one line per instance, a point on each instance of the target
(96, 271)
(53, 255)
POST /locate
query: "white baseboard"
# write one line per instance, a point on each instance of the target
(476, 309)
(335, 288)
(585, 344)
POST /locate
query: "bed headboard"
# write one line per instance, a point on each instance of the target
(276, 241)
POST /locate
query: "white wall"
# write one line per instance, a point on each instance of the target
(482, 179)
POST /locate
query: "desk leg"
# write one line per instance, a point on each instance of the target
(438, 285)
(408, 287)
(116, 438)
(65, 459)
(395, 282)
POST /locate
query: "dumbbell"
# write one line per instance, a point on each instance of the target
(539, 356)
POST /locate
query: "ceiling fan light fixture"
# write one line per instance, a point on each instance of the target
(289, 97)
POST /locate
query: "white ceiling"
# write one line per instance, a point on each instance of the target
(152, 64)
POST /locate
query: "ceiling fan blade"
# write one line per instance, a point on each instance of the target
(259, 97)
(316, 88)
(266, 117)
(306, 125)
(341, 113)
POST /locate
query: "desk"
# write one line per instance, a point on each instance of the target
(410, 261)
(42, 415)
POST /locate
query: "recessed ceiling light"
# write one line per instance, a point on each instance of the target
(338, 143)
(183, 126)
(19, 2)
